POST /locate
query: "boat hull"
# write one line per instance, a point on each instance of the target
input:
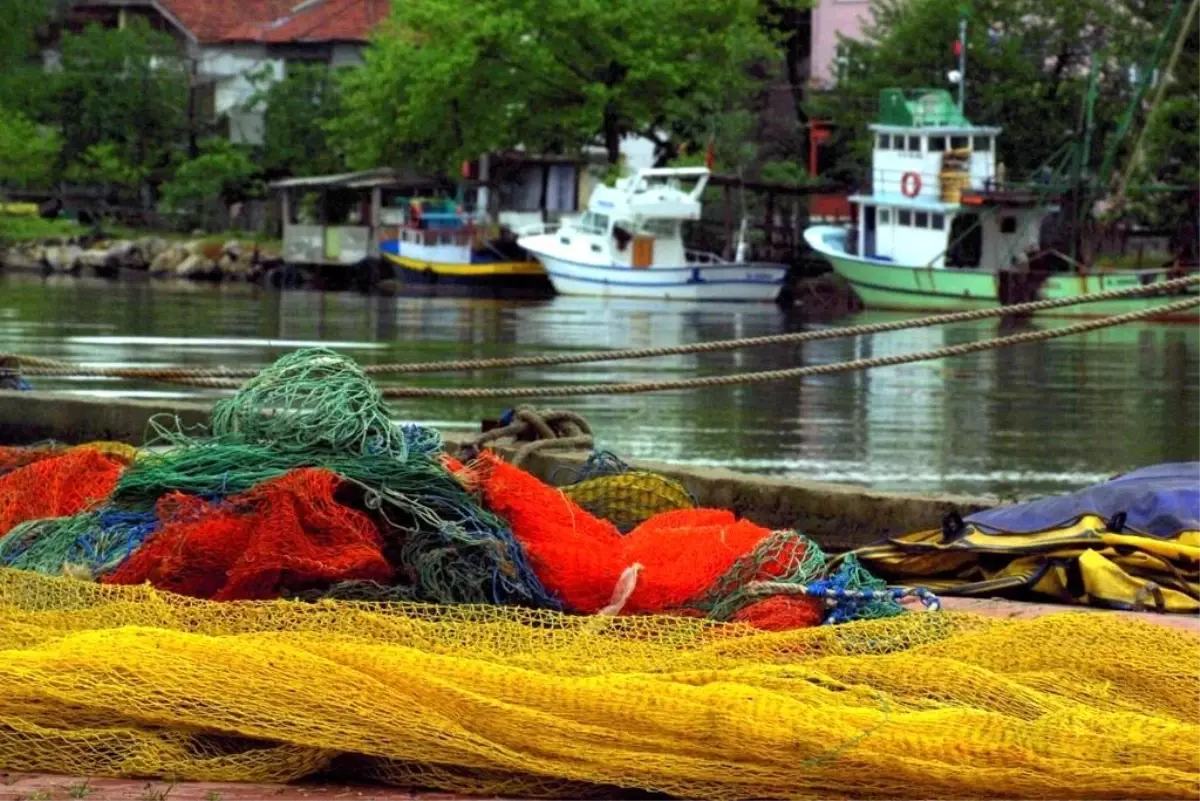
(749, 282)
(526, 275)
(884, 285)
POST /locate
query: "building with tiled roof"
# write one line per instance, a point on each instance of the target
(231, 40)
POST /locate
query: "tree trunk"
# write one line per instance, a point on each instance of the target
(612, 134)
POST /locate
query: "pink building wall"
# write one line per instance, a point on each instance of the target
(830, 18)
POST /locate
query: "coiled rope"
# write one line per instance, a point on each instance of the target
(38, 366)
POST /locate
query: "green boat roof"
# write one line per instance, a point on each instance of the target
(923, 108)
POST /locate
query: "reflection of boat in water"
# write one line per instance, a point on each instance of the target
(629, 244)
(936, 234)
(434, 242)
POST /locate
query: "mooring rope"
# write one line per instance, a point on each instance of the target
(633, 388)
(39, 366)
(735, 379)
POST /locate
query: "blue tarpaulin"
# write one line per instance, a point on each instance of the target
(1159, 501)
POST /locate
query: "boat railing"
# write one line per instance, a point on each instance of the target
(539, 228)
(703, 257)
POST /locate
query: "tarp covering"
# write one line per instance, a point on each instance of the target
(1132, 542)
(1159, 501)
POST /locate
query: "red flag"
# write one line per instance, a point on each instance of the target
(958, 47)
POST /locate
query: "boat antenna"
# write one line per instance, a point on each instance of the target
(961, 48)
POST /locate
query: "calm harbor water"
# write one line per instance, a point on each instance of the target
(1035, 419)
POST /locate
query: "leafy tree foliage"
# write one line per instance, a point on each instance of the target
(124, 91)
(28, 151)
(450, 79)
(297, 110)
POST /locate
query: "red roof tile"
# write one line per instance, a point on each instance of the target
(278, 21)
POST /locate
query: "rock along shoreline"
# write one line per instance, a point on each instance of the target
(154, 256)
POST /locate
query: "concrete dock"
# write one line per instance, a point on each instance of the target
(839, 517)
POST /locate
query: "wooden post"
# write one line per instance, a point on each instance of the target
(373, 223)
(727, 206)
(771, 222)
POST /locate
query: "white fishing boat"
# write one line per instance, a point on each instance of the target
(629, 243)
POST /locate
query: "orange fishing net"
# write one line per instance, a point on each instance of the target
(671, 562)
(57, 485)
(284, 536)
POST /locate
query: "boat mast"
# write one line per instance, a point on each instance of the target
(962, 60)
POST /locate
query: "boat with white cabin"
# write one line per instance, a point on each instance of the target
(629, 243)
(938, 232)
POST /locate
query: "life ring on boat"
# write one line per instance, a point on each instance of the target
(910, 184)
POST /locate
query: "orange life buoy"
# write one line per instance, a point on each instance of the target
(910, 184)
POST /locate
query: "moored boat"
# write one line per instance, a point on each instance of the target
(435, 242)
(629, 243)
(939, 233)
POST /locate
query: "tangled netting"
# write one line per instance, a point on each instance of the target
(302, 487)
(118, 680)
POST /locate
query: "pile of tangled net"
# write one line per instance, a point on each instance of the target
(387, 611)
(303, 487)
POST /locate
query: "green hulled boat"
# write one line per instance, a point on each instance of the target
(939, 233)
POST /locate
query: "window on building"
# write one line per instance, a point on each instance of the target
(1008, 225)
(904, 217)
(921, 219)
(884, 217)
(982, 144)
(914, 144)
(885, 142)
(937, 222)
(959, 142)
(937, 144)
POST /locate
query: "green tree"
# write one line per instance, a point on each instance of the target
(22, 78)
(222, 172)
(1027, 69)
(28, 151)
(449, 79)
(296, 112)
(124, 90)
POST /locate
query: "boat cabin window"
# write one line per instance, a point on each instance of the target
(937, 144)
(982, 144)
(1008, 225)
(904, 217)
(664, 228)
(921, 219)
(593, 223)
(884, 217)
(937, 222)
(914, 144)
(885, 142)
(960, 142)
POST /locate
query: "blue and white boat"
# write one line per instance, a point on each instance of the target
(629, 243)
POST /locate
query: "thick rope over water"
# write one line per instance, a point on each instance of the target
(39, 366)
(633, 388)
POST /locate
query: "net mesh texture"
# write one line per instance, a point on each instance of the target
(304, 588)
(126, 680)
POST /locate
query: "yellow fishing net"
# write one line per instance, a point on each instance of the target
(627, 499)
(103, 680)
